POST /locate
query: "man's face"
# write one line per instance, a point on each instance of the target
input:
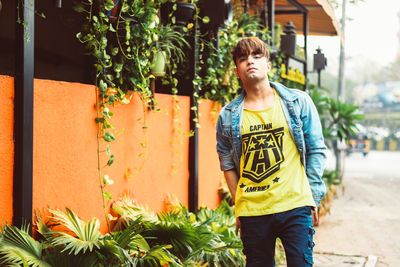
(254, 67)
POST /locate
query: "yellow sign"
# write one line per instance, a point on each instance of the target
(293, 75)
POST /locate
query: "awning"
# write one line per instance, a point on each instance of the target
(321, 16)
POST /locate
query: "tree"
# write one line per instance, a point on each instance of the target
(391, 72)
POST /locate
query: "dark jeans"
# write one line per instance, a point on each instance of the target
(293, 227)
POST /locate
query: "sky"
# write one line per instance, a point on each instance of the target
(370, 39)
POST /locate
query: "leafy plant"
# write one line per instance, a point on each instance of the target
(171, 40)
(338, 118)
(343, 119)
(123, 48)
(17, 247)
(80, 244)
(86, 236)
(169, 54)
(204, 237)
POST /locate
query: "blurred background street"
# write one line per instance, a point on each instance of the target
(364, 220)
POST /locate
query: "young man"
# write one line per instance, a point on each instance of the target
(272, 153)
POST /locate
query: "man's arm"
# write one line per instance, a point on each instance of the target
(232, 179)
(315, 149)
(314, 216)
(227, 163)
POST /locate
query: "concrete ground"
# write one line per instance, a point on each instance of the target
(365, 218)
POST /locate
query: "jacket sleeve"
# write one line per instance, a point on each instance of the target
(315, 154)
(224, 145)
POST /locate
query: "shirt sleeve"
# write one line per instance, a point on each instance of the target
(315, 149)
(224, 145)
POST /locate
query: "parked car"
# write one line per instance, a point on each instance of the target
(358, 143)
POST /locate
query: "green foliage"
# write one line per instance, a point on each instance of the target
(86, 235)
(17, 247)
(331, 177)
(176, 238)
(338, 118)
(206, 236)
(123, 47)
(81, 245)
(344, 117)
(170, 39)
(123, 50)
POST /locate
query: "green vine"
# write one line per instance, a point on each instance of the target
(133, 172)
(123, 46)
(105, 181)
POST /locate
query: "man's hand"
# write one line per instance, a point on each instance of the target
(314, 214)
(237, 225)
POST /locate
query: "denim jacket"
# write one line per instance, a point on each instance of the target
(304, 126)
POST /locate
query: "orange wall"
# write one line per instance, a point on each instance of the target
(6, 148)
(65, 158)
(210, 175)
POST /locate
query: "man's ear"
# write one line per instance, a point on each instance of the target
(269, 66)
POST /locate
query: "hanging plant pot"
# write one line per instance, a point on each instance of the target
(158, 65)
(184, 13)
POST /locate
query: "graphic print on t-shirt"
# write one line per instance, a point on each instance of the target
(262, 152)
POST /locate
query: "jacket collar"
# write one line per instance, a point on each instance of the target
(235, 103)
(284, 92)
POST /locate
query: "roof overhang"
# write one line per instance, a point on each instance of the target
(321, 16)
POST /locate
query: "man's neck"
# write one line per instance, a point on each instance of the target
(259, 96)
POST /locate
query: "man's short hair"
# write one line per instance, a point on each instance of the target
(249, 45)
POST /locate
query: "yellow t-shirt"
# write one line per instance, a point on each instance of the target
(272, 178)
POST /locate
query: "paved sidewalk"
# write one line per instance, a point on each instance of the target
(364, 219)
(328, 259)
(322, 259)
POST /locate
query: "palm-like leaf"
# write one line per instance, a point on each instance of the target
(158, 256)
(204, 237)
(221, 247)
(337, 118)
(18, 247)
(111, 254)
(344, 118)
(181, 236)
(130, 212)
(130, 238)
(87, 234)
(320, 97)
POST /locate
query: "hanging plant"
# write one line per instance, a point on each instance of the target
(168, 49)
(122, 48)
(122, 51)
(159, 64)
(130, 47)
